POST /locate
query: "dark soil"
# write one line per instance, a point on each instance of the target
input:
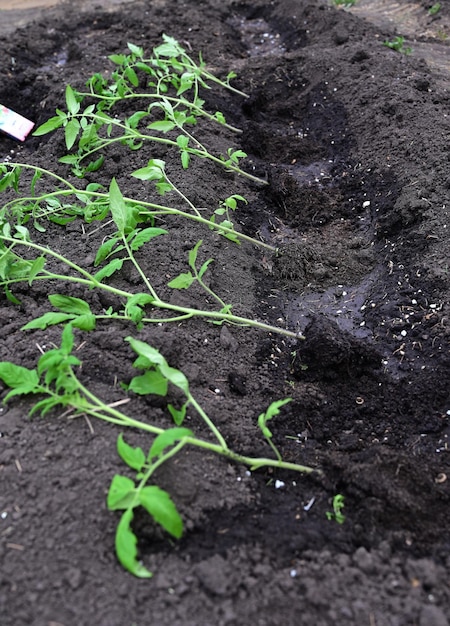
(354, 141)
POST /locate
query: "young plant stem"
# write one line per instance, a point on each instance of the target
(90, 281)
(148, 208)
(107, 413)
(131, 133)
(162, 98)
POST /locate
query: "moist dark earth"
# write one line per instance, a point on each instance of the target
(353, 140)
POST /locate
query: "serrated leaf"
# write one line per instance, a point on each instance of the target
(47, 127)
(133, 457)
(178, 415)
(93, 166)
(71, 131)
(46, 320)
(112, 267)
(153, 171)
(105, 250)
(182, 281)
(121, 493)
(136, 50)
(153, 356)
(162, 125)
(126, 550)
(18, 378)
(134, 119)
(204, 267)
(118, 59)
(273, 410)
(67, 340)
(185, 158)
(193, 254)
(167, 439)
(85, 322)
(118, 206)
(69, 304)
(132, 76)
(38, 264)
(73, 106)
(151, 382)
(135, 304)
(161, 507)
(145, 235)
(182, 141)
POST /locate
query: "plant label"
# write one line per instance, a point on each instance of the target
(14, 124)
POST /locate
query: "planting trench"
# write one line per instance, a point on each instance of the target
(352, 139)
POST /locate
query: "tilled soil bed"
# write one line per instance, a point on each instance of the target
(351, 141)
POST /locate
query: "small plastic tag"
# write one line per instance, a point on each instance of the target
(14, 124)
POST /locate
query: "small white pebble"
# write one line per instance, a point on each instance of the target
(366, 204)
(414, 301)
(403, 333)
(4, 515)
(279, 484)
(293, 573)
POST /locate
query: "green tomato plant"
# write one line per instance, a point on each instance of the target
(170, 84)
(55, 382)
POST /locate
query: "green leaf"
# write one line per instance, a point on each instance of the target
(93, 166)
(273, 410)
(178, 415)
(183, 281)
(136, 50)
(73, 106)
(67, 340)
(193, 254)
(133, 457)
(204, 267)
(182, 141)
(134, 306)
(121, 493)
(170, 46)
(153, 171)
(118, 206)
(37, 266)
(185, 158)
(71, 132)
(152, 382)
(167, 439)
(134, 119)
(69, 304)
(105, 250)
(47, 127)
(10, 296)
(126, 550)
(161, 507)
(145, 235)
(118, 59)
(112, 267)
(21, 380)
(132, 76)
(46, 320)
(163, 125)
(85, 322)
(176, 377)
